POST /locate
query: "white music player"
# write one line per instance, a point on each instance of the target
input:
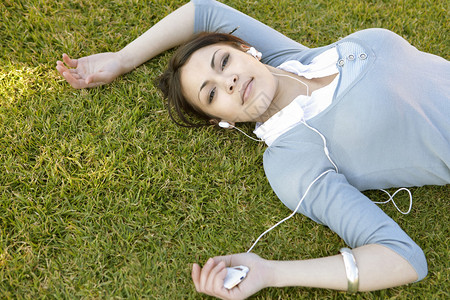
(234, 276)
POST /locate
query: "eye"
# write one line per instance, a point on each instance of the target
(225, 61)
(211, 95)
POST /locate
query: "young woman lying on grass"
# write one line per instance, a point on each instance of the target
(367, 112)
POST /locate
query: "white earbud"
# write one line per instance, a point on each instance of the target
(224, 124)
(255, 53)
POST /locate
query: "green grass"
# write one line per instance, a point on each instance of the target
(101, 196)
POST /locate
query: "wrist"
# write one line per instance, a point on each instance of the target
(273, 275)
(126, 61)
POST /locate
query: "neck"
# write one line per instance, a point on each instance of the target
(289, 86)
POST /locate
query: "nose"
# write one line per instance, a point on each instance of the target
(231, 83)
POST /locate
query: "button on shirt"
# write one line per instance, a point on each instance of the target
(348, 56)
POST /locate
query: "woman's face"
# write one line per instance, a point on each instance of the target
(227, 83)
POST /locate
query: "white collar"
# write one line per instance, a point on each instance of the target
(280, 122)
(302, 107)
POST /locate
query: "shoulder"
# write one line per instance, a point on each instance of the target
(290, 165)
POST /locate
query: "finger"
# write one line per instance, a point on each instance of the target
(211, 280)
(76, 75)
(196, 276)
(226, 259)
(205, 273)
(73, 72)
(216, 278)
(236, 259)
(61, 68)
(220, 289)
(98, 78)
(75, 83)
(74, 79)
(73, 63)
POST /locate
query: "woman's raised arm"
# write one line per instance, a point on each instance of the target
(94, 70)
(173, 30)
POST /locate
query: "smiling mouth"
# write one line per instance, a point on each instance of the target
(246, 90)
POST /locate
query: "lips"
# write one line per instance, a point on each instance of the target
(246, 90)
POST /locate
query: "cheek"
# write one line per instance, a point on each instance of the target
(225, 110)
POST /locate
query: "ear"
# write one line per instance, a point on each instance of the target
(214, 122)
(252, 51)
(244, 47)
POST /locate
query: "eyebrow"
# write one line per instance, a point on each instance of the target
(213, 59)
(212, 67)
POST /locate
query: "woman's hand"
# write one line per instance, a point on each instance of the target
(94, 70)
(209, 279)
(90, 71)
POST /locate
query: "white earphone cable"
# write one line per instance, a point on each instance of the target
(293, 213)
(257, 140)
(285, 75)
(391, 198)
(325, 148)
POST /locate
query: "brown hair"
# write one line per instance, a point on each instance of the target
(170, 83)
